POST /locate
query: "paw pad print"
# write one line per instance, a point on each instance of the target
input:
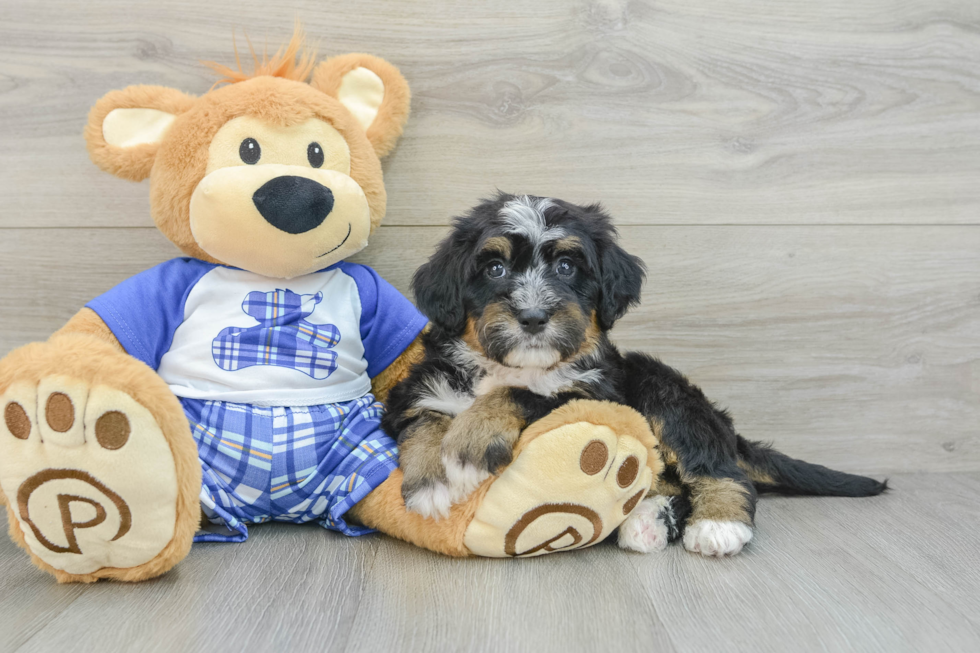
(111, 429)
(595, 458)
(283, 336)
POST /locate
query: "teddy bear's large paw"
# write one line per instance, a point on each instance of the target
(87, 473)
(568, 488)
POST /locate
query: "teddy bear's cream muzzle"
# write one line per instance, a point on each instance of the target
(279, 220)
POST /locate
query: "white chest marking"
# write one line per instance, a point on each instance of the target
(545, 381)
(438, 396)
(540, 381)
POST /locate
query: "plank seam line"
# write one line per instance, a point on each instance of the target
(377, 544)
(51, 621)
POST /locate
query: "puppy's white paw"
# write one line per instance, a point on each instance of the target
(432, 501)
(716, 538)
(645, 530)
(463, 478)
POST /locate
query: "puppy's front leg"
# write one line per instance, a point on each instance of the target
(481, 441)
(424, 485)
(722, 512)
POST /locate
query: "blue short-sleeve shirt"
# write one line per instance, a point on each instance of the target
(218, 333)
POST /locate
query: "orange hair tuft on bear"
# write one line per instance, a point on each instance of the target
(293, 61)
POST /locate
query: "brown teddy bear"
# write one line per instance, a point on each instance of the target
(241, 383)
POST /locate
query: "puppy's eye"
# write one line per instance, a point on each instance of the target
(565, 268)
(250, 151)
(496, 270)
(314, 153)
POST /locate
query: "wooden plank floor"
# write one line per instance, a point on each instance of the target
(894, 573)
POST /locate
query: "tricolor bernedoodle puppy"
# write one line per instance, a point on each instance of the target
(521, 296)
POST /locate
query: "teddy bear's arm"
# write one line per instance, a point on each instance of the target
(382, 384)
(88, 322)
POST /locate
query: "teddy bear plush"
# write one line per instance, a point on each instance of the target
(242, 383)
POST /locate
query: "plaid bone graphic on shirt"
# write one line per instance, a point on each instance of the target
(282, 338)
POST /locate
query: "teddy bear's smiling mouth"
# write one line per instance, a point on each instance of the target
(341, 243)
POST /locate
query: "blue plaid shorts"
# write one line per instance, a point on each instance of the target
(295, 464)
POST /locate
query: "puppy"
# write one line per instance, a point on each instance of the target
(521, 295)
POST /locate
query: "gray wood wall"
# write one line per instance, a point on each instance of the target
(802, 178)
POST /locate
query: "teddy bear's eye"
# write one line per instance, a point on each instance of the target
(315, 154)
(250, 151)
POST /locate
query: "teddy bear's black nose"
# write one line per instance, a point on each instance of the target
(293, 204)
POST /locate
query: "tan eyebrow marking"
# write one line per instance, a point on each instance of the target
(568, 244)
(499, 245)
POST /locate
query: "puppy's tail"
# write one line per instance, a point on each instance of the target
(771, 471)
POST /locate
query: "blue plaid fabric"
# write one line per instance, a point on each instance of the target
(283, 337)
(295, 464)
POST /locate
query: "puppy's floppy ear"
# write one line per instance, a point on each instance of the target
(438, 285)
(621, 279)
(125, 128)
(372, 90)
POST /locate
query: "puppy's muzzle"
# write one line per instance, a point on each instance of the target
(533, 320)
(293, 204)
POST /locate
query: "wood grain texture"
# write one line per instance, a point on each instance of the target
(894, 573)
(754, 111)
(853, 347)
(296, 588)
(577, 602)
(815, 578)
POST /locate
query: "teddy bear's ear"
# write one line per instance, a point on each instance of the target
(125, 128)
(372, 90)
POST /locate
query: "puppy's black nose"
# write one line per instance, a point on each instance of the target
(293, 204)
(533, 320)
